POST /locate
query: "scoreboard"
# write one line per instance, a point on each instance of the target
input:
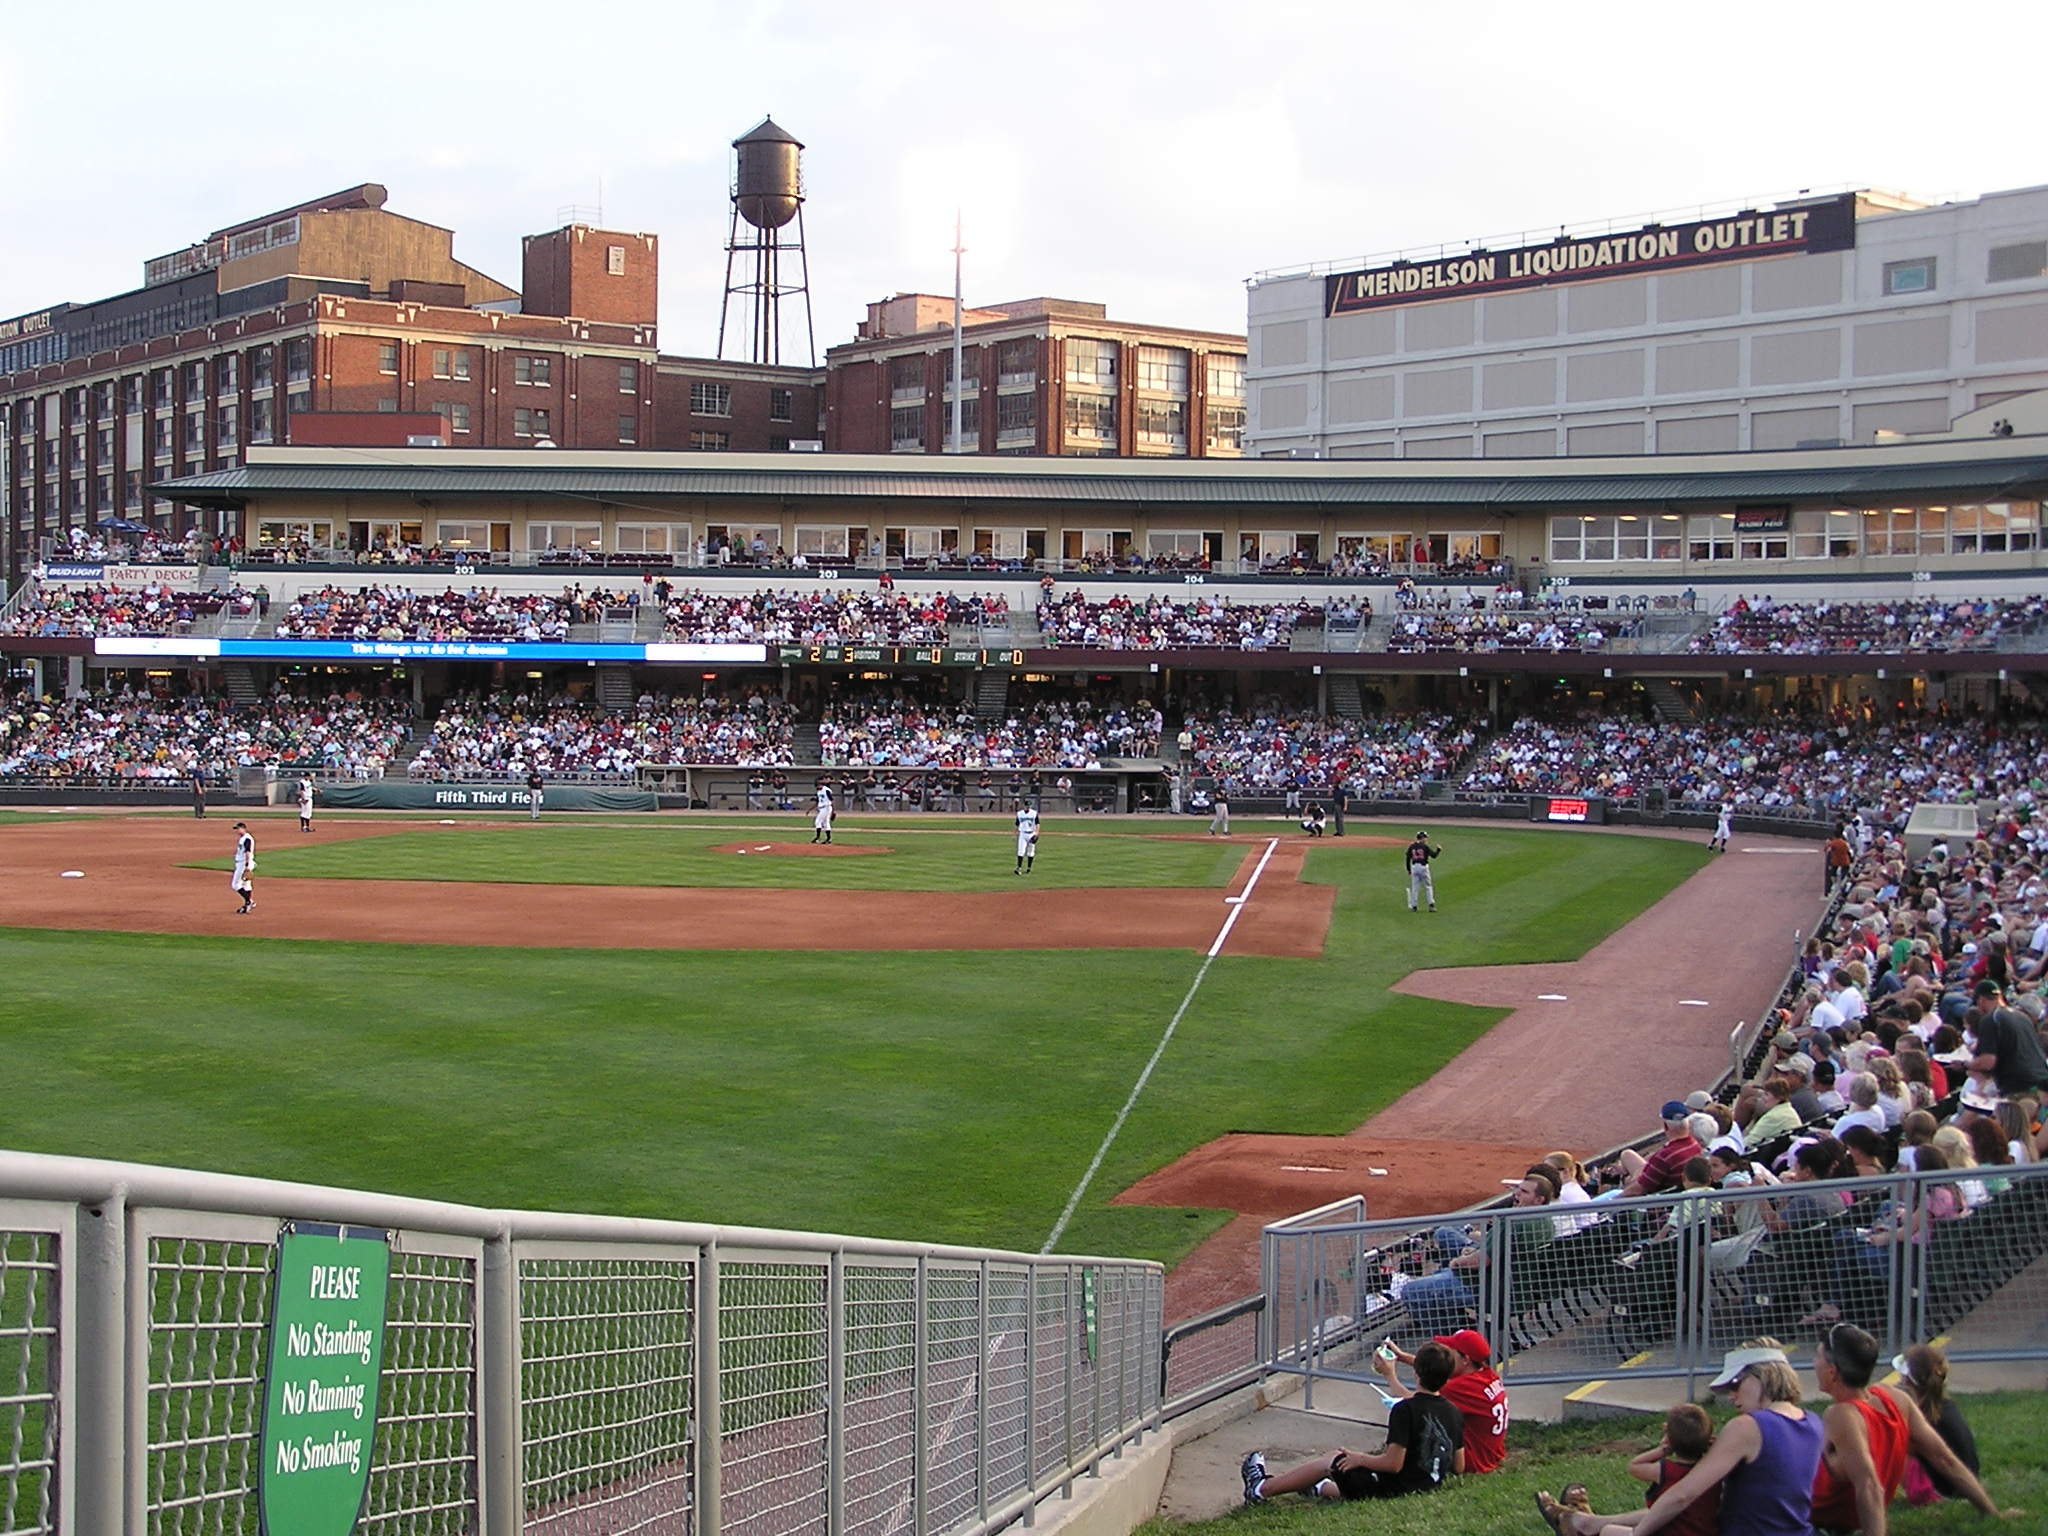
(898, 656)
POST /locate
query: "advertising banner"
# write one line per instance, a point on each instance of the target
(896, 656)
(424, 650)
(177, 578)
(393, 795)
(1825, 225)
(320, 1389)
(1567, 808)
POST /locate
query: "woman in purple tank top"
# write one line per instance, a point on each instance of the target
(1765, 1460)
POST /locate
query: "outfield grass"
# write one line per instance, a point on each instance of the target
(936, 1096)
(680, 854)
(2012, 1443)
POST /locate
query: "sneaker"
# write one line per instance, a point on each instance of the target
(1253, 1471)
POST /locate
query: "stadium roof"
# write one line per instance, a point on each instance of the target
(1994, 467)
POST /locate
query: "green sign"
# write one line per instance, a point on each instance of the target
(326, 1359)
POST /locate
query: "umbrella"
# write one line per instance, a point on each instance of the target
(122, 525)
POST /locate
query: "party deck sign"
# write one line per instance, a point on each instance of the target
(326, 1359)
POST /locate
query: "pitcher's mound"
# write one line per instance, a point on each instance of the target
(799, 850)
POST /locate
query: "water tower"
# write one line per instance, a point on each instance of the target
(768, 194)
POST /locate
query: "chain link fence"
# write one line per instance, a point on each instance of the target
(1662, 1285)
(571, 1375)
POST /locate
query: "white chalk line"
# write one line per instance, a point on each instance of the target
(1144, 1077)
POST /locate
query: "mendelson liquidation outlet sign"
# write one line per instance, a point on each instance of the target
(326, 1356)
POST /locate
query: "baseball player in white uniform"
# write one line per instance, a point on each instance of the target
(305, 805)
(1027, 837)
(243, 881)
(1724, 828)
(821, 823)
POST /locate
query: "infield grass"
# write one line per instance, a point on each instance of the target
(918, 858)
(954, 1097)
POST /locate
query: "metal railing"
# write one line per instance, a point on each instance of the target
(1660, 1286)
(564, 1374)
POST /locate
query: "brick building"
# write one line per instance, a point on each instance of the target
(339, 306)
(1059, 377)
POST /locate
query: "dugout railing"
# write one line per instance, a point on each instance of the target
(567, 1374)
(1657, 1287)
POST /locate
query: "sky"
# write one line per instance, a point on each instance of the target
(1147, 156)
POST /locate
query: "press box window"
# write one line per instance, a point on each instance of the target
(710, 399)
(1915, 276)
(1710, 536)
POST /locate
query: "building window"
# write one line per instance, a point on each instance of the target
(133, 486)
(77, 497)
(298, 360)
(1017, 362)
(225, 426)
(1647, 536)
(970, 368)
(906, 429)
(970, 422)
(103, 492)
(615, 260)
(162, 441)
(78, 450)
(1091, 364)
(262, 367)
(781, 404)
(906, 378)
(542, 537)
(387, 357)
(1163, 424)
(163, 387)
(1016, 416)
(522, 422)
(1916, 276)
(195, 434)
(1224, 429)
(226, 372)
(131, 393)
(262, 420)
(2012, 263)
(388, 404)
(103, 399)
(1226, 376)
(629, 429)
(710, 399)
(451, 363)
(195, 381)
(537, 371)
(711, 442)
(1091, 420)
(299, 400)
(1163, 370)
(106, 446)
(629, 378)
(1708, 536)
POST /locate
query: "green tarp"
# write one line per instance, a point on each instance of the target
(386, 795)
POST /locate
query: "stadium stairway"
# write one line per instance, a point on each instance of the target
(240, 679)
(1344, 697)
(615, 689)
(804, 748)
(991, 695)
(1670, 704)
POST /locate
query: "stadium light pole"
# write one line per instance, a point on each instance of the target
(959, 348)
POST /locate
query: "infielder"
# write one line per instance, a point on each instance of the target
(1219, 818)
(534, 786)
(1724, 828)
(305, 805)
(1027, 838)
(243, 881)
(821, 823)
(1419, 882)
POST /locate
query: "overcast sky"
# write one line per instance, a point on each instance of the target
(1150, 156)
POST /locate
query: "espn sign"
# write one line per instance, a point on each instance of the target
(1567, 808)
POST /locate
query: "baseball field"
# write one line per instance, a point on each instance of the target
(705, 1018)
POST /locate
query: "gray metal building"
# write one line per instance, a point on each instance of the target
(1806, 322)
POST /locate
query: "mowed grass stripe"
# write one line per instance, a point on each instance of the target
(952, 1097)
(574, 854)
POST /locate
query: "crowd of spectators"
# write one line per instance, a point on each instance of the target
(63, 610)
(827, 617)
(503, 735)
(1515, 629)
(132, 737)
(1273, 750)
(1157, 623)
(1788, 763)
(481, 613)
(894, 727)
(1829, 628)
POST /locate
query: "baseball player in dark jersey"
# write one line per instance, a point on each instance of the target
(1420, 885)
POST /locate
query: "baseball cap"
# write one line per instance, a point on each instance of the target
(1785, 1040)
(1698, 1100)
(1736, 1361)
(1469, 1343)
(1674, 1111)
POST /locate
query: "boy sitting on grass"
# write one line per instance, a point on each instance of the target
(1425, 1444)
(1688, 1435)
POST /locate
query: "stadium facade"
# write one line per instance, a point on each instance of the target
(1808, 321)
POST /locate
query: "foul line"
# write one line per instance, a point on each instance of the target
(1238, 904)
